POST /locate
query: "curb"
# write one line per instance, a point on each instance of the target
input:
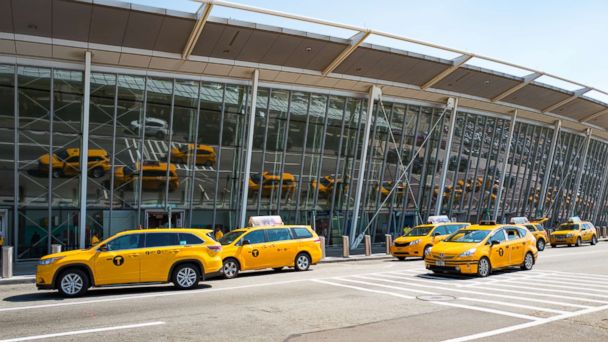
(332, 260)
(28, 279)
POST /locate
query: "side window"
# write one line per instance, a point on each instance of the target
(531, 227)
(453, 228)
(256, 236)
(189, 239)
(499, 236)
(539, 227)
(441, 230)
(131, 241)
(585, 226)
(73, 159)
(301, 233)
(161, 239)
(278, 234)
(512, 233)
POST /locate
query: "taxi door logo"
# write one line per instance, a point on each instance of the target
(118, 260)
(501, 252)
(255, 253)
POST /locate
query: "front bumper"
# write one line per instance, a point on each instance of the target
(453, 266)
(564, 241)
(44, 277)
(407, 251)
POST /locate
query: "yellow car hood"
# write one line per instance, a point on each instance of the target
(44, 159)
(65, 254)
(404, 239)
(453, 248)
(564, 232)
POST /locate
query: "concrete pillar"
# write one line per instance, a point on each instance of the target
(368, 245)
(7, 261)
(345, 247)
(389, 242)
(322, 242)
(55, 248)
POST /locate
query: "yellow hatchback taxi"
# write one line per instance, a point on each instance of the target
(482, 248)
(536, 229)
(268, 243)
(419, 240)
(180, 256)
(574, 232)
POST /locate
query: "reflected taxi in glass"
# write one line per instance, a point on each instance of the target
(482, 248)
(418, 241)
(269, 245)
(153, 176)
(574, 232)
(537, 230)
(205, 154)
(66, 162)
(181, 256)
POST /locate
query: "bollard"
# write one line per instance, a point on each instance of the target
(345, 247)
(368, 245)
(7, 261)
(389, 243)
(55, 248)
(322, 242)
(604, 232)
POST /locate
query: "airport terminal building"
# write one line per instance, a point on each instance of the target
(346, 136)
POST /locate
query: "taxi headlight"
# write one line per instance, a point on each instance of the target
(415, 242)
(468, 253)
(49, 261)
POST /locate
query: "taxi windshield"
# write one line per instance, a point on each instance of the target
(419, 231)
(568, 226)
(230, 237)
(468, 236)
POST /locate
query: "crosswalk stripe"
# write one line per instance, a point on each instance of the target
(579, 299)
(560, 285)
(361, 288)
(386, 286)
(598, 283)
(522, 306)
(583, 275)
(576, 293)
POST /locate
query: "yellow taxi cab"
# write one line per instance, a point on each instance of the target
(268, 243)
(417, 242)
(536, 229)
(66, 162)
(574, 232)
(154, 176)
(482, 248)
(326, 185)
(205, 154)
(386, 187)
(267, 183)
(181, 256)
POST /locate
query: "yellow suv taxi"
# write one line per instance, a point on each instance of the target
(205, 154)
(154, 176)
(418, 241)
(269, 245)
(181, 256)
(66, 162)
(482, 248)
(537, 230)
(574, 232)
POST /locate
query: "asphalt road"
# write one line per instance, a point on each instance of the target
(565, 297)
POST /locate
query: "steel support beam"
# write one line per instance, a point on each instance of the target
(594, 115)
(355, 41)
(503, 172)
(250, 131)
(84, 149)
(579, 173)
(577, 93)
(548, 169)
(203, 15)
(456, 63)
(448, 148)
(599, 201)
(374, 94)
(527, 80)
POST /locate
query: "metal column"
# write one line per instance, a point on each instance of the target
(17, 199)
(374, 93)
(448, 148)
(543, 189)
(579, 172)
(84, 149)
(600, 199)
(250, 130)
(504, 168)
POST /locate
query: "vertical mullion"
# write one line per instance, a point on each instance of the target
(303, 158)
(192, 161)
(168, 161)
(141, 150)
(113, 157)
(17, 197)
(383, 167)
(465, 194)
(51, 114)
(265, 140)
(320, 163)
(427, 155)
(484, 182)
(332, 205)
(408, 171)
(457, 166)
(530, 169)
(286, 138)
(474, 179)
(219, 152)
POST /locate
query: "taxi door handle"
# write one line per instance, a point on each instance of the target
(506, 246)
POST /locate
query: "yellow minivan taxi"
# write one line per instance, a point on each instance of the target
(274, 246)
(574, 232)
(419, 240)
(181, 256)
(482, 248)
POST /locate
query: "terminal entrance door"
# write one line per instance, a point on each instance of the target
(164, 219)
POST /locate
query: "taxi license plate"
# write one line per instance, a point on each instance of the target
(440, 263)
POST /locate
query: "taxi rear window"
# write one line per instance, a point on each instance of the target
(301, 233)
(189, 239)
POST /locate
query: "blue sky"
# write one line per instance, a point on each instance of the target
(566, 38)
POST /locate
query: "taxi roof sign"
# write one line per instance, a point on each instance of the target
(438, 219)
(519, 220)
(575, 219)
(256, 221)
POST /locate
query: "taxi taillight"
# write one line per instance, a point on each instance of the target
(318, 240)
(215, 248)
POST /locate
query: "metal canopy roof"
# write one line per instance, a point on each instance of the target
(151, 38)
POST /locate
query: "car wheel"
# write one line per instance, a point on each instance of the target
(231, 268)
(160, 135)
(426, 252)
(578, 242)
(593, 240)
(97, 172)
(528, 262)
(401, 258)
(186, 277)
(302, 262)
(540, 245)
(73, 283)
(483, 267)
(553, 245)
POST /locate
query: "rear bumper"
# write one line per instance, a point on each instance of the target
(216, 274)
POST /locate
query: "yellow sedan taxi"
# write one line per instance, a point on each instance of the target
(269, 244)
(574, 232)
(418, 241)
(482, 248)
(180, 256)
(536, 229)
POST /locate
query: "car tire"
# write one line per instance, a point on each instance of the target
(578, 242)
(231, 268)
(302, 262)
(528, 262)
(426, 251)
(400, 258)
(186, 277)
(593, 240)
(97, 172)
(540, 244)
(73, 283)
(484, 268)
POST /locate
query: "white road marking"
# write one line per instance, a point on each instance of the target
(522, 306)
(574, 293)
(81, 332)
(599, 283)
(361, 288)
(561, 286)
(568, 255)
(578, 299)
(385, 286)
(494, 311)
(602, 276)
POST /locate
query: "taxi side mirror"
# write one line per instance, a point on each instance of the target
(102, 248)
(245, 242)
(436, 234)
(494, 242)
